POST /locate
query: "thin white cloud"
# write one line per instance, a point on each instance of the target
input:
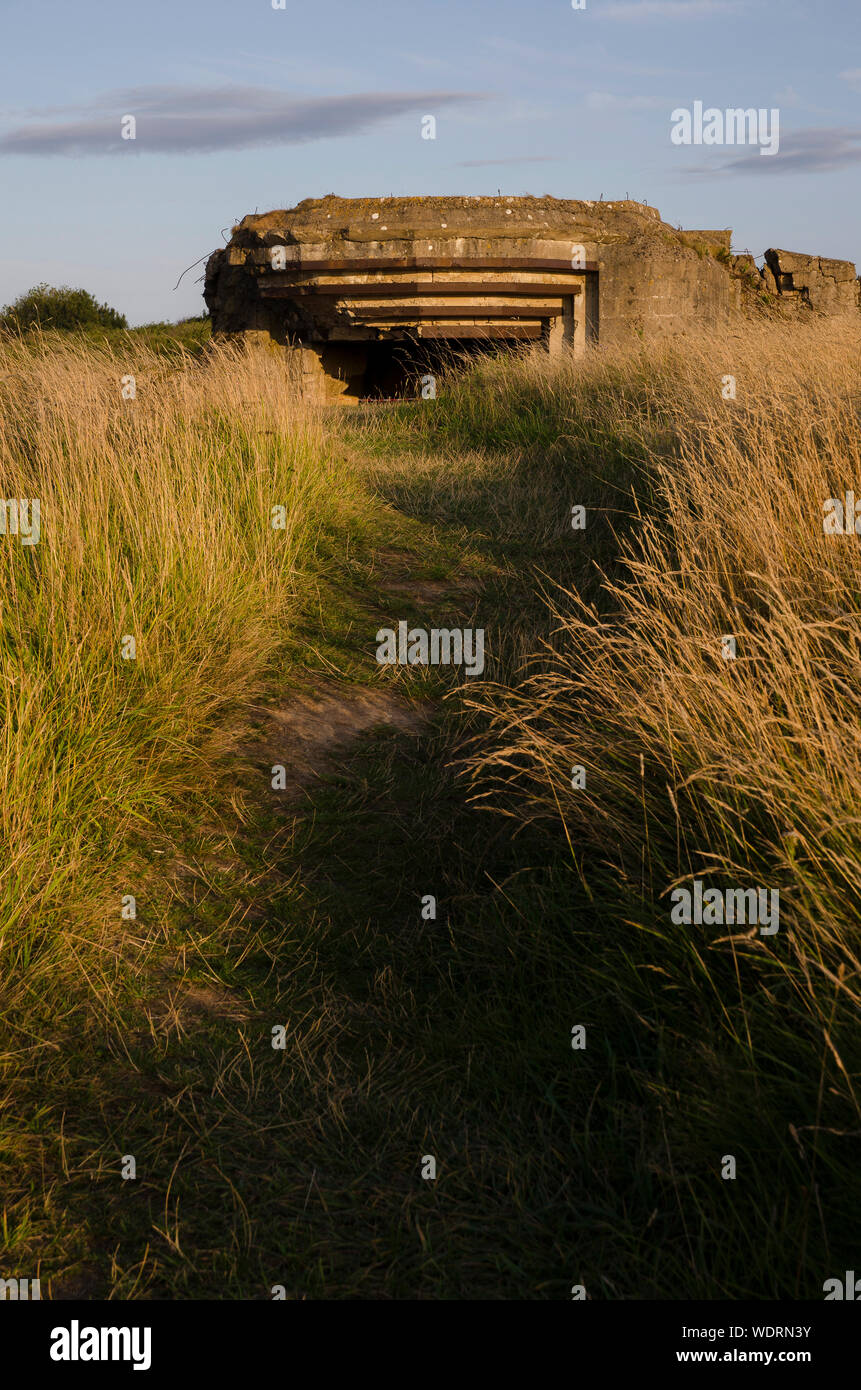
(591, 57)
(666, 9)
(787, 97)
(515, 159)
(815, 151)
(203, 120)
(609, 101)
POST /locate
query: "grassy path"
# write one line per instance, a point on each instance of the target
(303, 907)
(408, 1037)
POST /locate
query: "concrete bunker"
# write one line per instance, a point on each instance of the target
(366, 297)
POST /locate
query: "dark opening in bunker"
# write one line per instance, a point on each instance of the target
(397, 369)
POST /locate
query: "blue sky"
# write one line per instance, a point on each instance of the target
(242, 107)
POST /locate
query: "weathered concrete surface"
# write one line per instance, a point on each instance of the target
(828, 286)
(334, 280)
(715, 241)
(655, 289)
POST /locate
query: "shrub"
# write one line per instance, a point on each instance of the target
(47, 307)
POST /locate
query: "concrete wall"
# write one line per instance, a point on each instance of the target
(650, 290)
(828, 286)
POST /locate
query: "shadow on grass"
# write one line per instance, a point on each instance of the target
(406, 1039)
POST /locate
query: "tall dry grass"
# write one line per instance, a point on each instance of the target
(155, 525)
(704, 519)
(741, 772)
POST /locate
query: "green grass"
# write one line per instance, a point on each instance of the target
(405, 1037)
(173, 341)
